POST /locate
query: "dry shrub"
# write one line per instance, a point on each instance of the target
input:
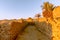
(10, 30)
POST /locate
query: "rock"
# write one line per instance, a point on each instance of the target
(56, 12)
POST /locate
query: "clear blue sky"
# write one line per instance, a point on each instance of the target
(10, 9)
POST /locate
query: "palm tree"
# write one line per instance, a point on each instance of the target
(47, 10)
(37, 15)
(48, 6)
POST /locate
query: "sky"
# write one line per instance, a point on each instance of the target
(15, 9)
